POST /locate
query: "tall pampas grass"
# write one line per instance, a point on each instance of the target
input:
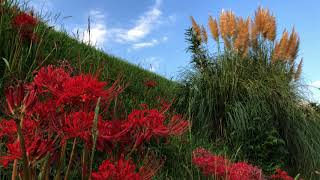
(293, 46)
(246, 95)
(265, 24)
(244, 35)
(297, 74)
(213, 26)
(241, 42)
(204, 34)
(227, 24)
(196, 28)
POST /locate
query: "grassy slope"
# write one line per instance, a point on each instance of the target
(54, 46)
(85, 58)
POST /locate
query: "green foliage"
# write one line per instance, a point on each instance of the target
(251, 105)
(258, 142)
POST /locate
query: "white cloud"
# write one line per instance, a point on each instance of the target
(134, 36)
(151, 43)
(96, 34)
(152, 63)
(145, 44)
(164, 38)
(143, 26)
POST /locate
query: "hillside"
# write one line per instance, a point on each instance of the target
(54, 47)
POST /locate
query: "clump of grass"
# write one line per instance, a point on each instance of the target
(245, 94)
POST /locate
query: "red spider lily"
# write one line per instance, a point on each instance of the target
(244, 171)
(83, 88)
(25, 23)
(222, 168)
(145, 124)
(28, 35)
(77, 124)
(17, 99)
(177, 125)
(127, 170)
(24, 19)
(281, 175)
(30, 128)
(112, 132)
(57, 106)
(50, 79)
(150, 83)
(8, 129)
(73, 92)
(13, 153)
(210, 164)
(121, 170)
(44, 110)
(150, 122)
(37, 148)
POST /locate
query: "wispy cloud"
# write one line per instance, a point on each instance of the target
(142, 27)
(152, 63)
(145, 44)
(151, 43)
(134, 36)
(96, 33)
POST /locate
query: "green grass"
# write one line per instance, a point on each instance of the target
(253, 107)
(54, 47)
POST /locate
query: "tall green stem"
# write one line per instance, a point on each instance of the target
(45, 166)
(94, 135)
(26, 170)
(84, 164)
(71, 158)
(58, 172)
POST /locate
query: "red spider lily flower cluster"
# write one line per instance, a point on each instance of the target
(151, 123)
(25, 24)
(58, 107)
(243, 171)
(150, 83)
(17, 100)
(210, 164)
(24, 19)
(281, 175)
(222, 168)
(124, 169)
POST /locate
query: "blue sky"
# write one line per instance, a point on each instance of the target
(150, 33)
